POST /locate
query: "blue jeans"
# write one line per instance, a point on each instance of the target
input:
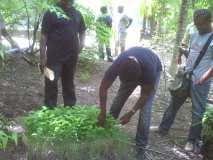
(199, 94)
(144, 121)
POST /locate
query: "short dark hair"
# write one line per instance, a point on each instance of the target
(129, 70)
(103, 9)
(203, 13)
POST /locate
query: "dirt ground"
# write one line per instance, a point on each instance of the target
(21, 90)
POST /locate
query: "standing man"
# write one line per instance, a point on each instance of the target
(104, 32)
(3, 32)
(199, 89)
(136, 66)
(123, 24)
(62, 39)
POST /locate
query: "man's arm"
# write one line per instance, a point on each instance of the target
(206, 76)
(130, 22)
(105, 84)
(9, 38)
(82, 40)
(147, 90)
(43, 57)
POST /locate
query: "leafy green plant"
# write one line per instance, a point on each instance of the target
(5, 135)
(88, 63)
(208, 124)
(74, 134)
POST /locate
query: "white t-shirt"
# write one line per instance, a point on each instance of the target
(197, 42)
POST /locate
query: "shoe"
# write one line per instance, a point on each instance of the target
(189, 147)
(140, 155)
(110, 59)
(198, 147)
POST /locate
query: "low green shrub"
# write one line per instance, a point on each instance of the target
(5, 135)
(208, 124)
(73, 134)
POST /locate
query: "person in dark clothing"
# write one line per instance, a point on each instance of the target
(104, 29)
(61, 41)
(135, 67)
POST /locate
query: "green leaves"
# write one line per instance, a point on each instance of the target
(59, 12)
(208, 124)
(61, 124)
(69, 132)
(6, 136)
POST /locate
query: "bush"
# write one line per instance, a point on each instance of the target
(208, 133)
(73, 134)
(88, 63)
(208, 124)
(5, 135)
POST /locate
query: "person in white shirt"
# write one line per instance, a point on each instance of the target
(122, 25)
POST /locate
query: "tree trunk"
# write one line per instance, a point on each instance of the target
(179, 35)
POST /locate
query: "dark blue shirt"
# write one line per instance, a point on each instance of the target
(106, 19)
(149, 62)
(62, 34)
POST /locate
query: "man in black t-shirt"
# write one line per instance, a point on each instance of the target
(63, 34)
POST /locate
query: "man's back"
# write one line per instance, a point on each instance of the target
(148, 60)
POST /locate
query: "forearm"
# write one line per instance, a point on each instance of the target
(129, 24)
(208, 74)
(105, 84)
(147, 91)
(140, 103)
(82, 39)
(43, 43)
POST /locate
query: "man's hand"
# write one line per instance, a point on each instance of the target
(42, 65)
(126, 117)
(102, 118)
(200, 81)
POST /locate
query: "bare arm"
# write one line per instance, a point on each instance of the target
(147, 90)
(82, 40)
(206, 76)
(105, 84)
(130, 22)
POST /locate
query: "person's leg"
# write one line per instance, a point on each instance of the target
(170, 114)
(124, 92)
(51, 93)
(144, 121)
(199, 94)
(123, 41)
(101, 50)
(67, 78)
(108, 51)
(51, 87)
(142, 134)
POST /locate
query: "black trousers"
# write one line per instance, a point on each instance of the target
(66, 71)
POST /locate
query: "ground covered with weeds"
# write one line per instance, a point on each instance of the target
(21, 91)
